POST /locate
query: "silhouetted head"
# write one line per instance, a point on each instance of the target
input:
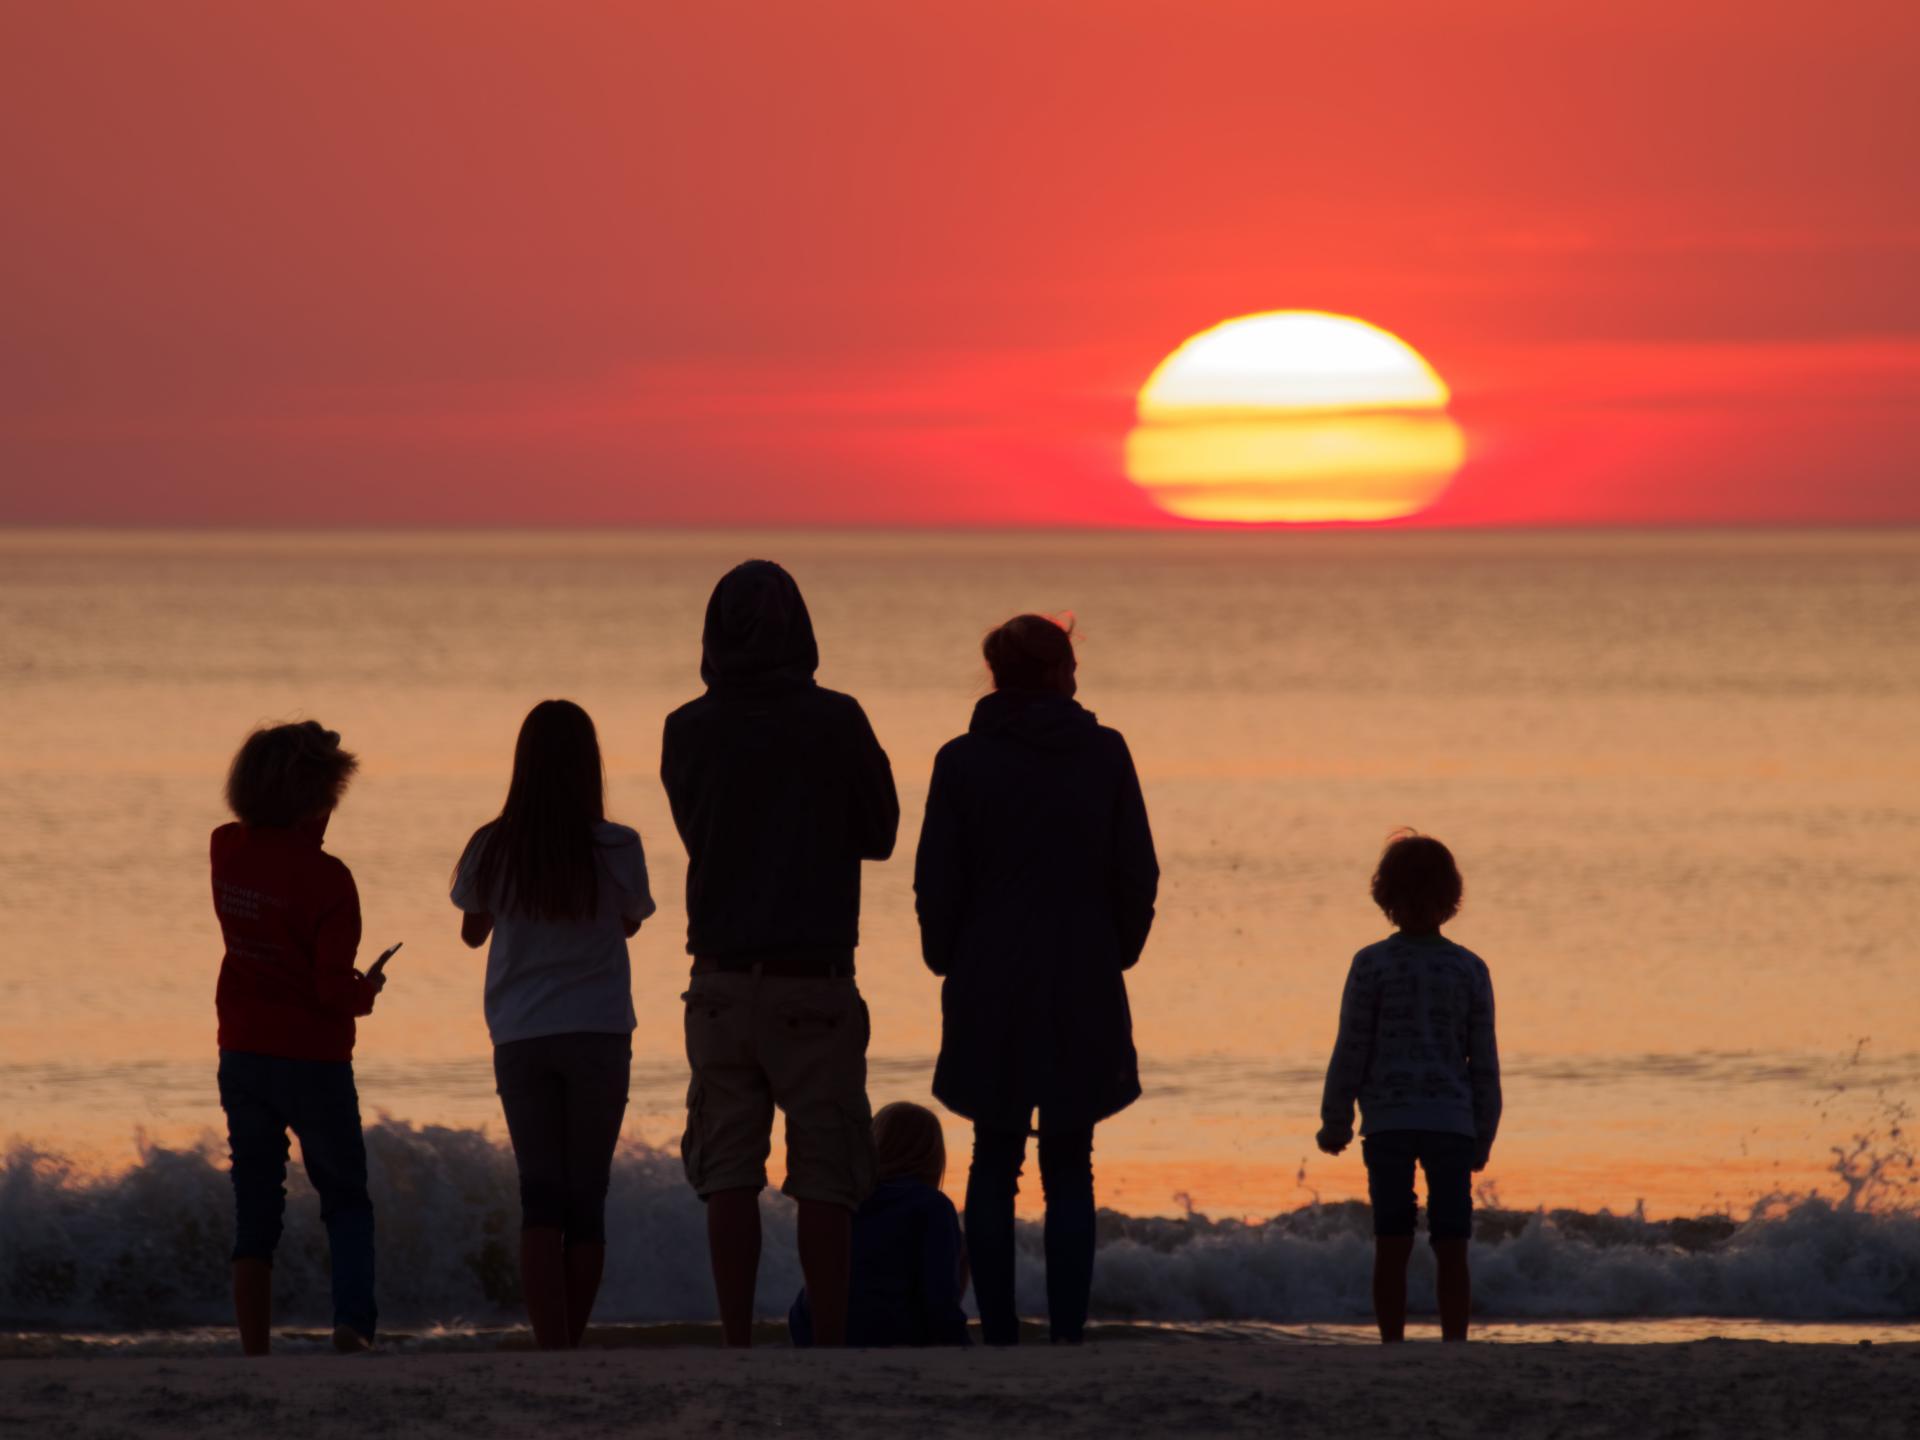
(909, 1144)
(538, 858)
(1033, 653)
(1417, 884)
(286, 775)
(757, 628)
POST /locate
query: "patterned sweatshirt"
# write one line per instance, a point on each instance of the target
(1416, 1045)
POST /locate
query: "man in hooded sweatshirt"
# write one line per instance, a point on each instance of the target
(779, 790)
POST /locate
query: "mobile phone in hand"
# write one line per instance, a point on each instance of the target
(375, 970)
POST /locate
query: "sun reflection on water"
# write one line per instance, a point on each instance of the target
(1296, 469)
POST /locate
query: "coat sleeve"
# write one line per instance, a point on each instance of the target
(336, 940)
(876, 804)
(1483, 1062)
(1352, 1050)
(939, 871)
(1136, 869)
(673, 781)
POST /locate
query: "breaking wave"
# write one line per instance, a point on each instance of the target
(146, 1248)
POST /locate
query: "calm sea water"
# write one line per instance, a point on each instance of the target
(1681, 772)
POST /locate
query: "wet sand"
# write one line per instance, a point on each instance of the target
(1125, 1388)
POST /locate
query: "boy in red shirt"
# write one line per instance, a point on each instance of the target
(287, 1000)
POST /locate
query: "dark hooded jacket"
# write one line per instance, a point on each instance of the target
(778, 787)
(1035, 885)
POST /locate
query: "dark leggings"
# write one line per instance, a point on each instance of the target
(565, 1096)
(1066, 1178)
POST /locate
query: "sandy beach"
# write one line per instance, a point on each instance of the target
(1127, 1388)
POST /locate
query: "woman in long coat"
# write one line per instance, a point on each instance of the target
(1035, 885)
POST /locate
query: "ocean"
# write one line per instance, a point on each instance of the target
(1681, 771)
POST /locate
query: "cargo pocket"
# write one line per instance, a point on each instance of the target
(862, 1164)
(693, 1142)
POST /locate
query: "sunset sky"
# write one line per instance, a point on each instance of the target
(909, 263)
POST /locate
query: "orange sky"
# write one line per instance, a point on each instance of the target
(884, 262)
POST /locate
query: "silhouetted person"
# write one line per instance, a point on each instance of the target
(909, 1267)
(287, 1000)
(1035, 885)
(561, 889)
(779, 790)
(1416, 1049)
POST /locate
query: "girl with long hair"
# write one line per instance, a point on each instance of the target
(560, 889)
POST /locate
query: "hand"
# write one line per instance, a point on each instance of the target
(376, 975)
(1332, 1141)
(1481, 1154)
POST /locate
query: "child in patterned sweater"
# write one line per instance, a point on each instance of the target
(1416, 1050)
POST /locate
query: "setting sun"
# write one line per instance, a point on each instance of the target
(1290, 360)
(1294, 416)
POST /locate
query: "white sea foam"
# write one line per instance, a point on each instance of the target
(147, 1248)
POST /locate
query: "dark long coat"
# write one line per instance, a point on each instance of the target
(1035, 884)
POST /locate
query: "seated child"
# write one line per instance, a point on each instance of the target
(287, 1001)
(909, 1268)
(1416, 1049)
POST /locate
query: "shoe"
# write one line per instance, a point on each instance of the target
(349, 1341)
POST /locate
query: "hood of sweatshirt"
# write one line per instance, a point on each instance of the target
(758, 632)
(1041, 719)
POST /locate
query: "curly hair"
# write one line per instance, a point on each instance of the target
(1029, 652)
(287, 774)
(1417, 885)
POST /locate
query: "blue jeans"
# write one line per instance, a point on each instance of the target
(1448, 1162)
(265, 1096)
(1066, 1177)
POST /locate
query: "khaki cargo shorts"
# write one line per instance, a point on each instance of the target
(760, 1041)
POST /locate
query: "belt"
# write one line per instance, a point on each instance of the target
(785, 967)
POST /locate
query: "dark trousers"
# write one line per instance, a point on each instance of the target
(564, 1096)
(1066, 1179)
(264, 1097)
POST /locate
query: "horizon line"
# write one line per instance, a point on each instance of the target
(982, 528)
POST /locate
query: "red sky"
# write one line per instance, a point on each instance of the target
(884, 262)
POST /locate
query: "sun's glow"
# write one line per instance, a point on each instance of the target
(1294, 416)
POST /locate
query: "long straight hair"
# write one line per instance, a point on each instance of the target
(538, 857)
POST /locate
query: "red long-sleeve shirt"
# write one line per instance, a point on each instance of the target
(291, 919)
